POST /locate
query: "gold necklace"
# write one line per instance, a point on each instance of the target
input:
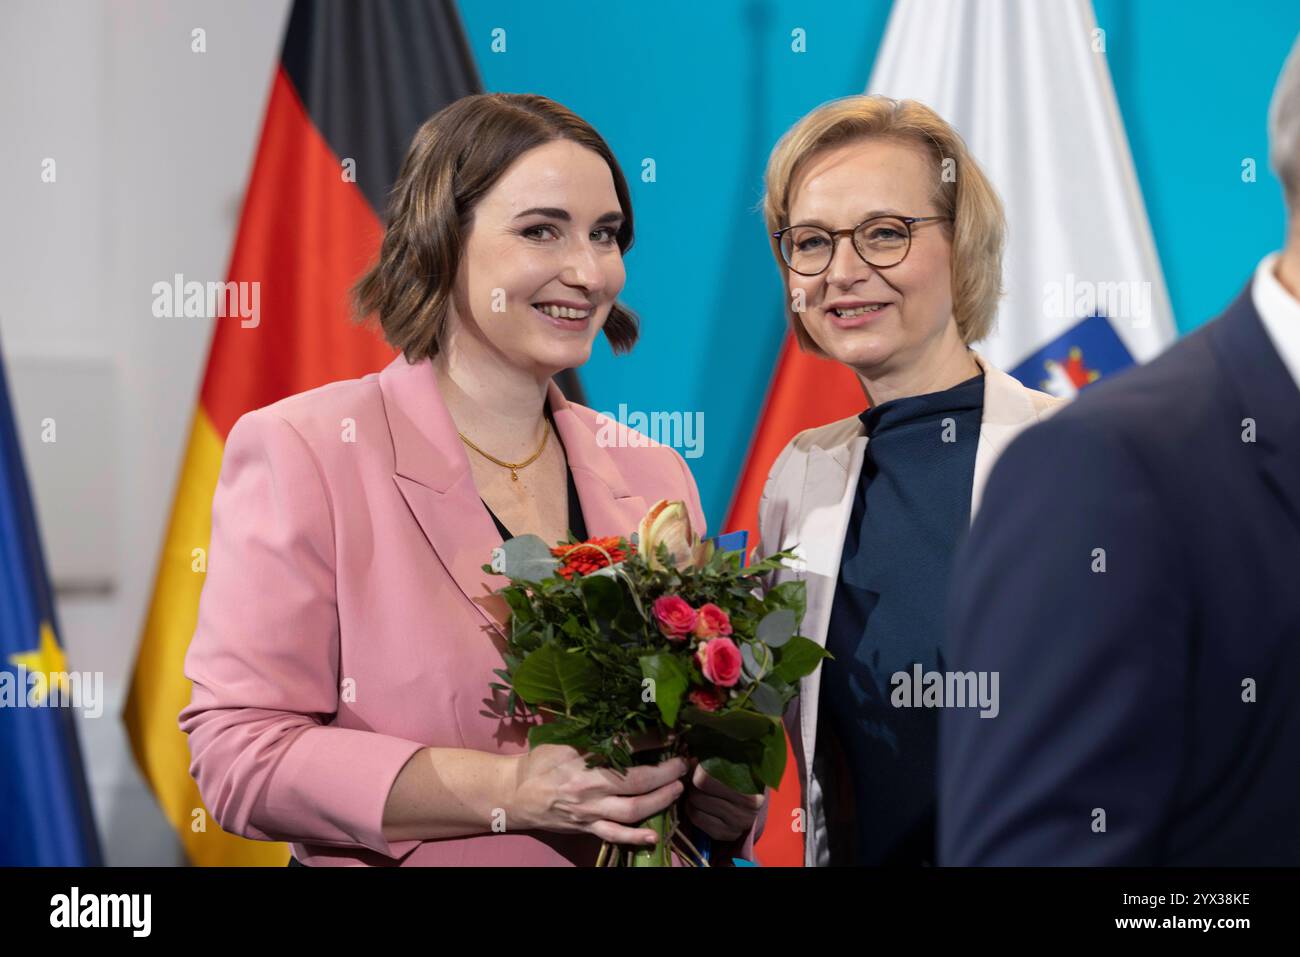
(514, 467)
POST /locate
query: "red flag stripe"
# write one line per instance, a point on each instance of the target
(806, 391)
(305, 235)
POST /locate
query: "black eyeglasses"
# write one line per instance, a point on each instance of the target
(881, 242)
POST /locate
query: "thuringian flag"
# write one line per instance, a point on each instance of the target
(1027, 85)
(45, 812)
(354, 83)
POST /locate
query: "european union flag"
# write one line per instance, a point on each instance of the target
(45, 813)
(1084, 353)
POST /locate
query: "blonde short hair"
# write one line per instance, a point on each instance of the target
(977, 228)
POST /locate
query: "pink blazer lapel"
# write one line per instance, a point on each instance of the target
(433, 475)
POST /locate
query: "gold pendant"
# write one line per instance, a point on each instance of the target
(514, 476)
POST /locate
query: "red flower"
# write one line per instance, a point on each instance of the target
(712, 622)
(583, 558)
(706, 699)
(720, 661)
(676, 618)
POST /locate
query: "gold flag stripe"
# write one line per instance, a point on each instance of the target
(159, 688)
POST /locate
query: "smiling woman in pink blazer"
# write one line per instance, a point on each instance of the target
(347, 633)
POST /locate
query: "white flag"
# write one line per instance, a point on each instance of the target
(1026, 84)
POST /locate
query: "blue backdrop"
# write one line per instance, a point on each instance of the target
(705, 90)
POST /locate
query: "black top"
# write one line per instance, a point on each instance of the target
(910, 511)
(577, 524)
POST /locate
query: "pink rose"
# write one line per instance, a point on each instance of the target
(712, 622)
(720, 661)
(676, 618)
(706, 699)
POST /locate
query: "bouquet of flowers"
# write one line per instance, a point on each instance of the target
(657, 636)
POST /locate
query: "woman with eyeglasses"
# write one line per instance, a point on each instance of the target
(889, 240)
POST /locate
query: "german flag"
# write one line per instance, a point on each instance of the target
(354, 83)
(805, 391)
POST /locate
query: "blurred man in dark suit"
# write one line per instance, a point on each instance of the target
(1148, 640)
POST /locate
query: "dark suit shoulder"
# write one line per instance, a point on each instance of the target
(1175, 390)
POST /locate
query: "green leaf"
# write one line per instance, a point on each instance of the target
(762, 752)
(797, 658)
(634, 591)
(777, 627)
(603, 595)
(791, 594)
(738, 725)
(671, 679)
(524, 635)
(735, 775)
(521, 606)
(784, 688)
(628, 622)
(772, 766)
(560, 731)
(551, 675)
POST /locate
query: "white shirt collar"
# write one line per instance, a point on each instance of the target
(1280, 313)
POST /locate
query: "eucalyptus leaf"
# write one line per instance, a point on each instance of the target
(784, 688)
(777, 627)
(755, 664)
(767, 699)
(526, 558)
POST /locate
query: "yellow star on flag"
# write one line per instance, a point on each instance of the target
(46, 660)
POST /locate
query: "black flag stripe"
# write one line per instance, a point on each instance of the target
(370, 73)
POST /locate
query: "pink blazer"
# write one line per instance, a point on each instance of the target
(346, 623)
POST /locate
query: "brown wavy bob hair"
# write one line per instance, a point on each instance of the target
(455, 158)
